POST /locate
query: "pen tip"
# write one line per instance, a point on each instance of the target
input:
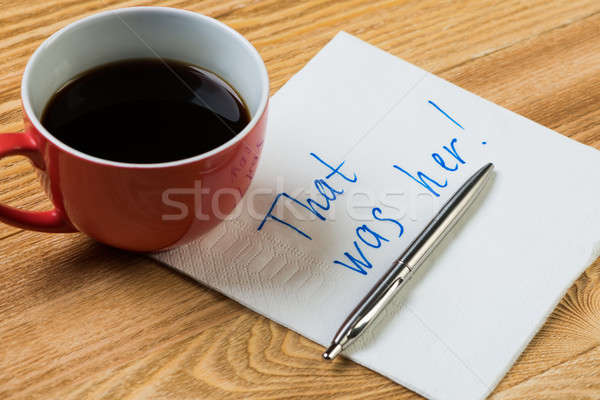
(332, 351)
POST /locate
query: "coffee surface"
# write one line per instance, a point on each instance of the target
(145, 111)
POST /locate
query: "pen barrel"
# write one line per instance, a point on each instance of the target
(373, 303)
(405, 266)
(445, 219)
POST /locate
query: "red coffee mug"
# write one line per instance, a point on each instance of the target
(139, 207)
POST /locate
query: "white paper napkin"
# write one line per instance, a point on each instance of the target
(410, 140)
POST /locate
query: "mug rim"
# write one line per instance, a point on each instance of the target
(165, 10)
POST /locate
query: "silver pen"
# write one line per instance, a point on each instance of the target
(405, 266)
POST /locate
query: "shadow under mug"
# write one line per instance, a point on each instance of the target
(139, 207)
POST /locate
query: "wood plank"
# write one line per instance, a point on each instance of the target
(81, 320)
(74, 310)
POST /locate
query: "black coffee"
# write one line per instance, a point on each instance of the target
(145, 111)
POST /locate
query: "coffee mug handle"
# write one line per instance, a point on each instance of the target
(45, 221)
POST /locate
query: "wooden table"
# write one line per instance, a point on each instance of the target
(79, 320)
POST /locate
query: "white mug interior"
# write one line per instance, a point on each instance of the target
(144, 32)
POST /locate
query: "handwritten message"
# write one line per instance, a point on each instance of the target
(336, 179)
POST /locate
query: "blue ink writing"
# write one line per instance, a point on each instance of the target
(357, 265)
(449, 160)
(377, 210)
(375, 241)
(335, 170)
(452, 151)
(438, 159)
(376, 236)
(445, 114)
(320, 184)
(429, 183)
(422, 179)
(369, 237)
(325, 190)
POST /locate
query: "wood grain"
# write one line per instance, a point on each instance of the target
(79, 320)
